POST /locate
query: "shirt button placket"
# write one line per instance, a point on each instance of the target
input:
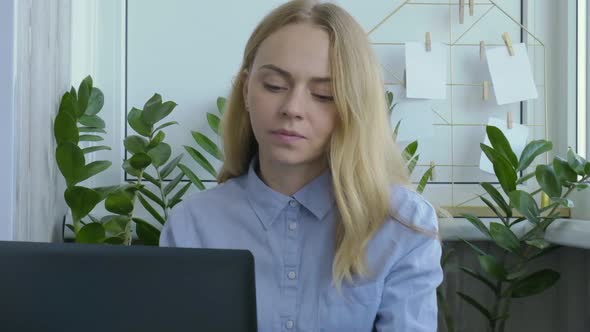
(291, 256)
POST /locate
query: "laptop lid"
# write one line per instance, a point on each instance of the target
(79, 287)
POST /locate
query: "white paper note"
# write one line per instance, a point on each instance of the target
(416, 118)
(517, 136)
(512, 76)
(426, 72)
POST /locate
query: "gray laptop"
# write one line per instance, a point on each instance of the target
(85, 288)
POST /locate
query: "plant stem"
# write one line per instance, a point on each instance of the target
(162, 194)
(128, 231)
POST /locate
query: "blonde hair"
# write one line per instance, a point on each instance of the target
(363, 158)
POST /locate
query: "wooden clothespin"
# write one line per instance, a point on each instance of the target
(432, 166)
(461, 11)
(428, 42)
(509, 120)
(471, 7)
(486, 91)
(482, 50)
(508, 43)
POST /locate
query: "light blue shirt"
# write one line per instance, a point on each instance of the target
(292, 240)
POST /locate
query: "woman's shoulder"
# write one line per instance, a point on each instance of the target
(411, 209)
(219, 194)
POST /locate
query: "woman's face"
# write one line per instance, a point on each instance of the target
(289, 97)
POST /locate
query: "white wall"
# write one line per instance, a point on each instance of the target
(6, 119)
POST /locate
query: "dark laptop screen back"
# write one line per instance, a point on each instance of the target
(73, 287)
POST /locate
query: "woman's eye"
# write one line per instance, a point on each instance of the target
(324, 98)
(272, 88)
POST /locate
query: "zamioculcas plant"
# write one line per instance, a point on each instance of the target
(509, 276)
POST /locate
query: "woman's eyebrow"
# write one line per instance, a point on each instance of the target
(288, 75)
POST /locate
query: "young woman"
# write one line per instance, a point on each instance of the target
(314, 186)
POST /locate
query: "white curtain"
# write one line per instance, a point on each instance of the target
(42, 76)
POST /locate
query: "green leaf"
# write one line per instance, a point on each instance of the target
(424, 180)
(501, 144)
(221, 104)
(563, 171)
(525, 178)
(538, 243)
(505, 174)
(410, 150)
(152, 179)
(84, 93)
(105, 191)
(389, 98)
(156, 140)
(492, 207)
(548, 181)
(116, 224)
(134, 119)
(524, 203)
(146, 192)
(153, 112)
(492, 266)
(95, 102)
(140, 161)
(581, 186)
(479, 307)
(213, 121)
(160, 154)
(201, 160)
(504, 237)
(412, 164)
(396, 130)
(92, 121)
(135, 143)
(172, 184)
(90, 138)
(497, 197)
(535, 283)
(91, 233)
(70, 159)
(191, 176)
(147, 233)
(475, 221)
(532, 151)
(81, 201)
(129, 169)
(68, 105)
(151, 210)
(92, 169)
(576, 162)
(95, 148)
(207, 145)
(479, 277)
(166, 170)
(474, 247)
(167, 124)
(177, 198)
(489, 152)
(120, 202)
(65, 129)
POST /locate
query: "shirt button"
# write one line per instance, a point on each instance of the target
(292, 275)
(293, 203)
(290, 324)
(292, 226)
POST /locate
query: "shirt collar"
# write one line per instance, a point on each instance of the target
(316, 196)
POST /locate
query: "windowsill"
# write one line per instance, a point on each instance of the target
(566, 232)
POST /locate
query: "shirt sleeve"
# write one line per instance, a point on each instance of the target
(176, 231)
(409, 301)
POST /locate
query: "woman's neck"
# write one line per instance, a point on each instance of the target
(288, 179)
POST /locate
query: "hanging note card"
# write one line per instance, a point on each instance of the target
(416, 118)
(512, 77)
(517, 136)
(426, 71)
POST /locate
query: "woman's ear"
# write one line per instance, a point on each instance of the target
(245, 76)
